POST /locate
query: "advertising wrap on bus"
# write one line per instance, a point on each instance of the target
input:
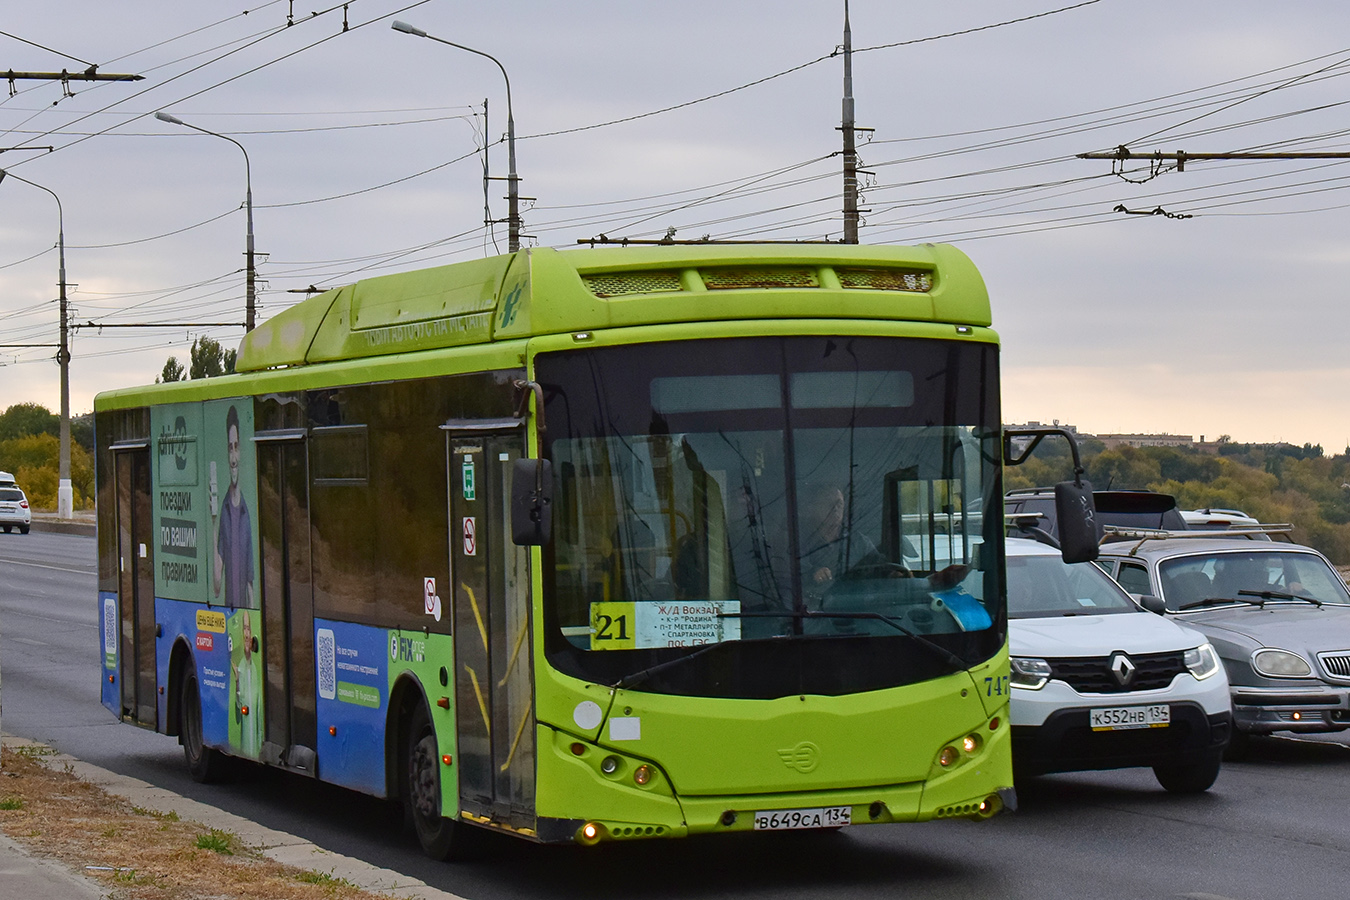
(583, 546)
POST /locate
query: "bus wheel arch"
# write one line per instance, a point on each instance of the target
(180, 660)
(205, 764)
(414, 755)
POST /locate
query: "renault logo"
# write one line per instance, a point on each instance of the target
(804, 757)
(1121, 667)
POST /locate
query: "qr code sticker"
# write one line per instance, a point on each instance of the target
(109, 632)
(326, 651)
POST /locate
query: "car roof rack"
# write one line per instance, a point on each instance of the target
(1144, 535)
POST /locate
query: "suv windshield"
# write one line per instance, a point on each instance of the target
(809, 508)
(1190, 581)
(1044, 585)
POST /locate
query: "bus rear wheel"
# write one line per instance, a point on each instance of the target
(205, 765)
(441, 838)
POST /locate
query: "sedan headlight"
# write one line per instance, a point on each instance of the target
(1202, 662)
(1280, 664)
(1031, 674)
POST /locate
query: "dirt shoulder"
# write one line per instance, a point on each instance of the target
(141, 854)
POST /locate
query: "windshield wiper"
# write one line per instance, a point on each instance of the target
(947, 655)
(1281, 595)
(637, 678)
(1210, 601)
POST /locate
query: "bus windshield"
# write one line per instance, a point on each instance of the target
(810, 508)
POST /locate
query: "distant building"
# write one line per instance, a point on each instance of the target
(1019, 444)
(1147, 440)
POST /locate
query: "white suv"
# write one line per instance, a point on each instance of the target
(14, 511)
(1099, 683)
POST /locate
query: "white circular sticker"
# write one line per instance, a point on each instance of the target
(587, 715)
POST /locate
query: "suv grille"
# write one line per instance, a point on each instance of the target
(1337, 664)
(1153, 671)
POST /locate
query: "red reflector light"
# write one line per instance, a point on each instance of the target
(244, 710)
(443, 703)
(332, 729)
(448, 759)
(993, 724)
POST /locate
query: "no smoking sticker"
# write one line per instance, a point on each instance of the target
(470, 536)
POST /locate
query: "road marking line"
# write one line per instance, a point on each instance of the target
(15, 562)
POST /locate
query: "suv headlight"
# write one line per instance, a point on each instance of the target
(1280, 664)
(1202, 662)
(1031, 674)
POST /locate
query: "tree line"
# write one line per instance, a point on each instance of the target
(30, 434)
(1281, 483)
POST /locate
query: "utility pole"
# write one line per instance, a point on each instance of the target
(513, 197)
(65, 494)
(850, 149)
(250, 267)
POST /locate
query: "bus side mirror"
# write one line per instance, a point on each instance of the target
(531, 502)
(1077, 519)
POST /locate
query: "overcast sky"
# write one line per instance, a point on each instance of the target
(716, 119)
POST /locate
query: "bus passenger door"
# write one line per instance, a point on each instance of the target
(289, 734)
(136, 586)
(494, 680)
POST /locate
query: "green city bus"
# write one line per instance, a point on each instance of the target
(583, 545)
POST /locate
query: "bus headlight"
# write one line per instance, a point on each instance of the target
(1202, 662)
(1280, 664)
(1031, 674)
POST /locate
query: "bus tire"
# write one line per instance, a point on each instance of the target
(441, 838)
(205, 765)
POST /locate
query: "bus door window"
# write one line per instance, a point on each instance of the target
(494, 702)
(287, 603)
(136, 586)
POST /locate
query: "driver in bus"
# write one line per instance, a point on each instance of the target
(832, 549)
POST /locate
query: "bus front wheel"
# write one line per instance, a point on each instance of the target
(206, 766)
(441, 838)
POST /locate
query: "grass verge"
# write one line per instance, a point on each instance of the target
(140, 854)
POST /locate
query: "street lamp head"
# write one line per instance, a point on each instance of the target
(165, 117)
(408, 29)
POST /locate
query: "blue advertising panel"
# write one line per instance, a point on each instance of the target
(109, 691)
(353, 681)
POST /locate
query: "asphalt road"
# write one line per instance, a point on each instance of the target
(1274, 826)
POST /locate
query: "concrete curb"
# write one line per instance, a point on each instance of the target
(278, 845)
(53, 525)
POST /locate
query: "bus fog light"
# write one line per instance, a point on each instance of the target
(970, 743)
(948, 756)
(642, 774)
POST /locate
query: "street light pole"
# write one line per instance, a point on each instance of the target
(251, 273)
(65, 494)
(512, 191)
